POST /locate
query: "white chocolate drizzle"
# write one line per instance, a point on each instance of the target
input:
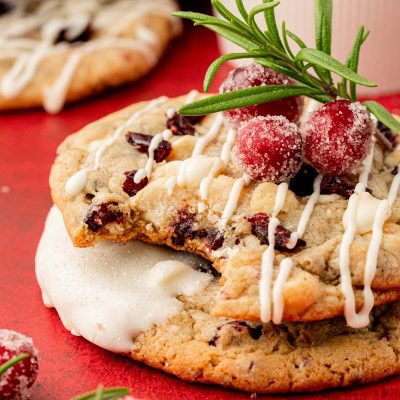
(360, 319)
(306, 214)
(267, 262)
(76, 183)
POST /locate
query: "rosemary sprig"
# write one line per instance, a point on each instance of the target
(311, 68)
(113, 393)
(10, 363)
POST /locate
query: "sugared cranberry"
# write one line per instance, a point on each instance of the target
(269, 149)
(386, 136)
(302, 183)
(336, 185)
(256, 75)
(337, 137)
(66, 35)
(130, 187)
(259, 227)
(142, 141)
(182, 125)
(16, 381)
(101, 215)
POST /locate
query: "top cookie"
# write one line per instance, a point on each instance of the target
(53, 52)
(204, 204)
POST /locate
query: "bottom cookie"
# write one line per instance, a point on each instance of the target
(94, 292)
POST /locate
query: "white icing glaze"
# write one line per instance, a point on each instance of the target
(367, 206)
(306, 214)
(194, 169)
(267, 263)
(111, 293)
(354, 319)
(232, 202)
(210, 136)
(285, 267)
(75, 184)
(227, 146)
(170, 184)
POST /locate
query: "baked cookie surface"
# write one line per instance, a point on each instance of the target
(293, 357)
(54, 52)
(195, 198)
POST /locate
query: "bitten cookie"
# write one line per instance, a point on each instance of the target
(147, 173)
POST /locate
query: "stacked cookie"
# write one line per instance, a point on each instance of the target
(305, 270)
(53, 52)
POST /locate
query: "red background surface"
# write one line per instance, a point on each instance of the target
(28, 141)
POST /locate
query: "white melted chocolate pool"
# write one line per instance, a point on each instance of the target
(111, 293)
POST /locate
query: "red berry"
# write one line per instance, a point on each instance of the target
(15, 383)
(269, 149)
(256, 75)
(337, 137)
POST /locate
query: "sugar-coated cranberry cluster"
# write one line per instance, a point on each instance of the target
(272, 145)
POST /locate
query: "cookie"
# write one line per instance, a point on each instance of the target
(126, 299)
(57, 52)
(127, 176)
(293, 357)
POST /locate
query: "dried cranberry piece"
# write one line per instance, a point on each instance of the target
(65, 35)
(255, 332)
(183, 125)
(336, 185)
(395, 170)
(302, 183)
(100, 215)
(259, 227)
(386, 136)
(215, 239)
(182, 228)
(130, 187)
(142, 142)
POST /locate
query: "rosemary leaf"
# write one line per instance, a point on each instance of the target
(323, 25)
(252, 22)
(383, 115)
(323, 33)
(114, 393)
(271, 25)
(224, 12)
(242, 9)
(245, 97)
(320, 59)
(353, 59)
(285, 40)
(10, 363)
(214, 67)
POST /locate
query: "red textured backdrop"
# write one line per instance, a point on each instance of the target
(28, 141)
